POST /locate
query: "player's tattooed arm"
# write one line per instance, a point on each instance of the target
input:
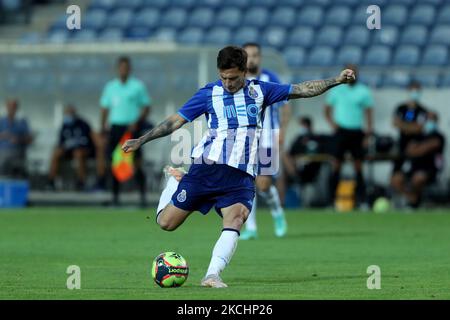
(163, 129)
(314, 88)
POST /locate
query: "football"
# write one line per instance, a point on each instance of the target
(170, 270)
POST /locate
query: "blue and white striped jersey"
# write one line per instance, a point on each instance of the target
(234, 121)
(271, 117)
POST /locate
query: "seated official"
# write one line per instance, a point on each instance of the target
(424, 159)
(76, 141)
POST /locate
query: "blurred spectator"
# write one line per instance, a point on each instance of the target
(346, 107)
(409, 119)
(301, 170)
(76, 141)
(125, 104)
(424, 159)
(15, 136)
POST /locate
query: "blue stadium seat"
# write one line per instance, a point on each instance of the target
(83, 36)
(329, 36)
(129, 4)
(156, 4)
(357, 36)
(414, 35)
(202, 18)
(372, 78)
(440, 35)
(138, 33)
(208, 3)
(395, 15)
(360, 15)
(292, 3)
(377, 55)
(349, 54)
(307, 76)
(191, 36)
(185, 4)
(444, 15)
(246, 34)
(406, 55)
(264, 3)
(348, 3)
(110, 35)
(321, 56)
(407, 3)
(174, 18)
(294, 56)
(228, 17)
(445, 81)
(219, 36)
(283, 17)
(435, 55)
(375, 2)
(339, 16)
(58, 36)
(429, 80)
(11, 5)
(240, 4)
(103, 4)
(256, 17)
(31, 38)
(274, 37)
(147, 18)
(165, 34)
(397, 79)
(94, 19)
(387, 35)
(422, 14)
(310, 16)
(27, 63)
(433, 2)
(301, 36)
(59, 23)
(120, 18)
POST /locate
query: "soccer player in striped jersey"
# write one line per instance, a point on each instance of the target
(224, 162)
(271, 140)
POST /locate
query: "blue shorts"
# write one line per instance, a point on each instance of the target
(218, 185)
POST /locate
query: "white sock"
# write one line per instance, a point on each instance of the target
(166, 195)
(250, 224)
(273, 201)
(223, 251)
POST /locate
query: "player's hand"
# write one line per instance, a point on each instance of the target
(131, 145)
(347, 76)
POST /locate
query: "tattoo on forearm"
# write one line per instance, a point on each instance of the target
(312, 88)
(161, 130)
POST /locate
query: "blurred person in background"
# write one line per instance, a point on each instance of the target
(423, 161)
(125, 105)
(409, 119)
(276, 118)
(306, 171)
(76, 142)
(15, 137)
(347, 108)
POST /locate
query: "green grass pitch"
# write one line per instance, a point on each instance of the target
(324, 256)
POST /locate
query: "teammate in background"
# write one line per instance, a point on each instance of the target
(225, 160)
(125, 104)
(270, 148)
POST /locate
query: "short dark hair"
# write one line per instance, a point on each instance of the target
(124, 59)
(232, 57)
(306, 121)
(252, 44)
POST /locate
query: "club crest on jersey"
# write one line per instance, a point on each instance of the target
(252, 92)
(181, 197)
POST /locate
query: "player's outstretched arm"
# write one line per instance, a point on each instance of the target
(314, 88)
(163, 129)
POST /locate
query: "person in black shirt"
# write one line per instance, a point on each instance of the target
(409, 118)
(76, 141)
(424, 159)
(304, 171)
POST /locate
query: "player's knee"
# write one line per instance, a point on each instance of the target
(166, 225)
